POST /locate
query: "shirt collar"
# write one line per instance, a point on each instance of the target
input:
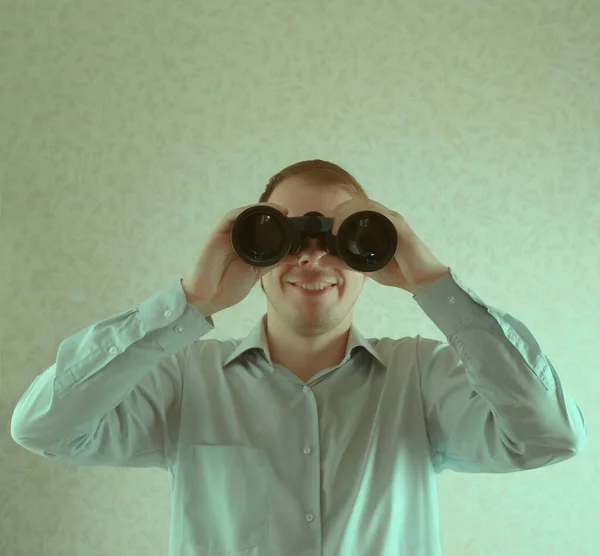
(257, 339)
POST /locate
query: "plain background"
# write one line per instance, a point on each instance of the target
(130, 127)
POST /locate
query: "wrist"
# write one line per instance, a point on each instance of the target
(426, 282)
(204, 310)
(200, 305)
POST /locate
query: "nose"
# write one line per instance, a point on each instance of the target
(311, 252)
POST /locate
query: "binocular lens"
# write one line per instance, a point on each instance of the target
(365, 242)
(261, 237)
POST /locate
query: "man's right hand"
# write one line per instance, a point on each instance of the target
(218, 278)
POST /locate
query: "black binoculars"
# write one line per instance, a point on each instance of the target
(366, 241)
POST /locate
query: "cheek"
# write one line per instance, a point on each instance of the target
(273, 280)
(352, 285)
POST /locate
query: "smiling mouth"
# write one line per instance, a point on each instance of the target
(313, 292)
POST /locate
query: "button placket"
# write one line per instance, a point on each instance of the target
(307, 450)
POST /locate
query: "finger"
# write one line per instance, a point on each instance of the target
(226, 223)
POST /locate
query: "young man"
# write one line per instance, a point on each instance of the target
(304, 437)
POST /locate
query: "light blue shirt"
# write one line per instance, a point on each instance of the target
(264, 464)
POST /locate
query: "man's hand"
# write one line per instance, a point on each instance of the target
(218, 278)
(413, 267)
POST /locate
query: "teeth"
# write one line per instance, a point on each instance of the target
(320, 286)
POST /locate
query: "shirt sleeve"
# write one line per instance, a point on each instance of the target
(493, 401)
(112, 396)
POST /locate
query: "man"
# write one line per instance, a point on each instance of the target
(304, 437)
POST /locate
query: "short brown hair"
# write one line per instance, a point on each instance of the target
(322, 172)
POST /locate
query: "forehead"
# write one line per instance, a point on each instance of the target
(300, 196)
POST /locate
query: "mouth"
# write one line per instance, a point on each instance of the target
(313, 292)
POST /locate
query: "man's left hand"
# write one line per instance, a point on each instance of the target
(413, 267)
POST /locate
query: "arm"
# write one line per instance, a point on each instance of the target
(112, 396)
(493, 401)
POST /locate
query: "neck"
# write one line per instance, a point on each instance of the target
(305, 353)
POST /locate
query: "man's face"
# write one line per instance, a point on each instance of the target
(311, 315)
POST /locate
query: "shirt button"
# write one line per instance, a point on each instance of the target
(168, 313)
(305, 389)
(309, 517)
(307, 450)
(178, 328)
(112, 350)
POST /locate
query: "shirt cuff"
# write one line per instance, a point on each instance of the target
(171, 321)
(450, 304)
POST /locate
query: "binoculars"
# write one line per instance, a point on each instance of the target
(366, 241)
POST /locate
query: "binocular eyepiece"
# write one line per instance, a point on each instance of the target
(366, 241)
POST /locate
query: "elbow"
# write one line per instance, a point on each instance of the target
(577, 441)
(15, 429)
(18, 434)
(547, 448)
(564, 439)
(565, 446)
(575, 437)
(24, 434)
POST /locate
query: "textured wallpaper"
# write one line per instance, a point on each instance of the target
(130, 127)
